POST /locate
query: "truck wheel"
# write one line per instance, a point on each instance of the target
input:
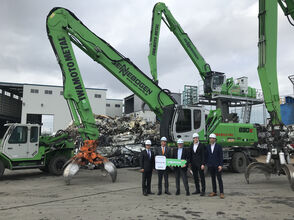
(56, 165)
(2, 168)
(239, 162)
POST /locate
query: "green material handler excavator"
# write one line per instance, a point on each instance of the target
(277, 136)
(176, 121)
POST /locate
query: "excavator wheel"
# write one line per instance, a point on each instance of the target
(258, 166)
(239, 162)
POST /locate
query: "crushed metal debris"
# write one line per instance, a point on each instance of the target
(121, 139)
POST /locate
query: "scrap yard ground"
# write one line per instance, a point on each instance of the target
(31, 194)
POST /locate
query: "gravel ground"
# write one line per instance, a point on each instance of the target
(31, 194)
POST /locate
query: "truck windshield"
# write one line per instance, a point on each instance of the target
(18, 135)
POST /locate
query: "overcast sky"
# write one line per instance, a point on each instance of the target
(225, 33)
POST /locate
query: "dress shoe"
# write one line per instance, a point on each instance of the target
(145, 194)
(151, 193)
(212, 194)
(202, 194)
(178, 193)
(222, 196)
(168, 193)
(196, 192)
(187, 193)
(159, 193)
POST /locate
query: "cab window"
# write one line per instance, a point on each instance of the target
(34, 134)
(19, 135)
(184, 121)
(197, 118)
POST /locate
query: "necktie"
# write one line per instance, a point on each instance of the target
(149, 154)
(162, 150)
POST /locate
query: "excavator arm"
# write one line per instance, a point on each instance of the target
(278, 155)
(161, 12)
(64, 27)
(213, 80)
(288, 9)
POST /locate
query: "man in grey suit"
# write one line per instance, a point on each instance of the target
(163, 150)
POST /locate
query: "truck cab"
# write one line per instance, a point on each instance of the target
(22, 147)
(21, 141)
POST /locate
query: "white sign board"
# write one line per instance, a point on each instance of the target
(160, 162)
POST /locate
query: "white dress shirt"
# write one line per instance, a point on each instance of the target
(195, 147)
(212, 147)
(180, 150)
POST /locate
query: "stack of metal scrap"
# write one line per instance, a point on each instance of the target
(121, 138)
(125, 130)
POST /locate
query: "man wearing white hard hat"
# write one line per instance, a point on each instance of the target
(197, 160)
(215, 165)
(181, 154)
(163, 150)
(147, 163)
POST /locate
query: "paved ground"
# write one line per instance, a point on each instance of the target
(30, 194)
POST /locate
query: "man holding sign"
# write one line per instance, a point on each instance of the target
(181, 154)
(163, 150)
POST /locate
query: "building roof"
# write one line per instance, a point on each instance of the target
(17, 88)
(114, 99)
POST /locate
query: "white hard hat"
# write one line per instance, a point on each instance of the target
(195, 135)
(212, 136)
(180, 141)
(147, 142)
(163, 139)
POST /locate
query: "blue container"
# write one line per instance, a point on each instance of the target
(287, 112)
(289, 99)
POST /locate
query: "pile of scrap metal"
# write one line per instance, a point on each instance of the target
(121, 138)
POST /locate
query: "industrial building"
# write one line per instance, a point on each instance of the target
(134, 105)
(34, 103)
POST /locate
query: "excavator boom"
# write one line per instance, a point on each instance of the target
(159, 10)
(63, 26)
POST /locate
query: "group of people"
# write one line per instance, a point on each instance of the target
(197, 156)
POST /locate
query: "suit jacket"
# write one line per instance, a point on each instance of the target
(197, 159)
(146, 162)
(214, 159)
(167, 152)
(185, 156)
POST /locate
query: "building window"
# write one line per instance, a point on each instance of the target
(49, 92)
(97, 96)
(107, 105)
(61, 92)
(117, 105)
(34, 90)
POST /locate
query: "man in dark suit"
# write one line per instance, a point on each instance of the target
(147, 165)
(163, 150)
(215, 165)
(183, 154)
(197, 160)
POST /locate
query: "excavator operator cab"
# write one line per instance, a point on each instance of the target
(213, 82)
(181, 122)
